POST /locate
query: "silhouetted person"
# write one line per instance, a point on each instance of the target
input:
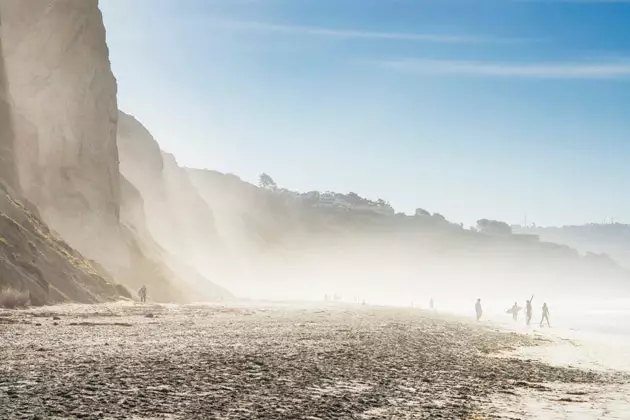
(545, 315)
(515, 310)
(431, 303)
(143, 293)
(478, 309)
(528, 310)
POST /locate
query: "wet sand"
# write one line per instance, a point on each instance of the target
(586, 351)
(277, 362)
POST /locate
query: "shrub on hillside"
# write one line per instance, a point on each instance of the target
(11, 298)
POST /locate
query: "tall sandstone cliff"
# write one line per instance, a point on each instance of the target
(63, 109)
(32, 258)
(64, 101)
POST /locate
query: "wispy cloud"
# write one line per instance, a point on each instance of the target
(558, 70)
(346, 33)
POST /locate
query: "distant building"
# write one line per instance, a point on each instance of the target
(330, 200)
(342, 202)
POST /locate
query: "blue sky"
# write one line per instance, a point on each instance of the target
(471, 108)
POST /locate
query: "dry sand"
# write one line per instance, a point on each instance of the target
(201, 361)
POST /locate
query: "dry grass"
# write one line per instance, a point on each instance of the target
(11, 298)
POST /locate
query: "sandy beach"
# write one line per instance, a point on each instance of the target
(585, 350)
(127, 360)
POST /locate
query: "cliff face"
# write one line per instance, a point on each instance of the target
(197, 240)
(176, 216)
(63, 124)
(33, 258)
(8, 171)
(64, 111)
(167, 277)
(243, 212)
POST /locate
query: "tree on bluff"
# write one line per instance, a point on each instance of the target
(493, 227)
(438, 217)
(384, 204)
(265, 181)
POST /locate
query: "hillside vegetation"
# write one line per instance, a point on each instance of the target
(351, 243)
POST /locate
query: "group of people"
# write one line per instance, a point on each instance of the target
(515, 309)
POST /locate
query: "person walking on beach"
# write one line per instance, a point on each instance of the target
(515, 309)
(528, 310)
(142, 293)
(545, 315)
(431, 304)
(478, 309)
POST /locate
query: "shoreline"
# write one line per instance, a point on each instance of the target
(574, 350)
